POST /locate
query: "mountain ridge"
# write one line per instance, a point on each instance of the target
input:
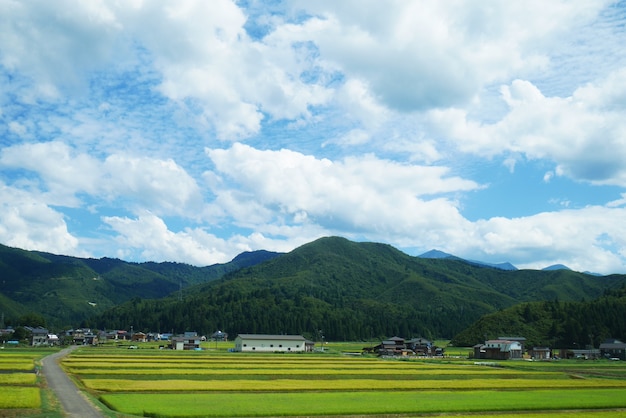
(351, 290)
(67, 290)
(355, 290)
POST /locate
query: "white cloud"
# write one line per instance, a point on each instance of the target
(417, 55)
(584, 134)
(62, 172)
(142, 182)
(17, 128)
(365, 195)
(548, 176)
(55, 43)
(570, 237)
(161, 185)
(30, 224)
(207, 59)
(148, 237)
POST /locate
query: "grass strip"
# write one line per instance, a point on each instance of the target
(359, 403)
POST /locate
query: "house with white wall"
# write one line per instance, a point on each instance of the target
(264, 343)
(499, 349)
(187, 341)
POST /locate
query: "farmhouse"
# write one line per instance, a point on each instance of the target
(219, 336)
(187, 341)
(139, 337)
(613, 349)
(498, 350)
(270, 343)
(397, 346)
(39, 336)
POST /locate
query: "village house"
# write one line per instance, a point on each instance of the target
(613, 349)
(82, 336)
(139, 337)
(500, 349)
(540, 353)
(38, 336)
(397, 346)
(187, 341)
(219, 336)
(424, 347)
(271, 343)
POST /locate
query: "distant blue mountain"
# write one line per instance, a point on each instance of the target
(556, 267)
(441, 255)
(438, 254)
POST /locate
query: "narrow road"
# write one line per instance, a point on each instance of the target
(74, 403)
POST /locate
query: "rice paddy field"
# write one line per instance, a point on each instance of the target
(160, 383)
(22, 392)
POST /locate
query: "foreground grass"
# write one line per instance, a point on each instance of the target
(360, 403)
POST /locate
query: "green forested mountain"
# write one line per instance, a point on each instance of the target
(554, 323)
(353, 291)
(68, 290)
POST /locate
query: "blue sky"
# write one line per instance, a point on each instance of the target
(192, 131)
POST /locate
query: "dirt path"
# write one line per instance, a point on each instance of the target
(74, 403)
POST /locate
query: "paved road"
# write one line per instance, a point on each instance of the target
(74, 403)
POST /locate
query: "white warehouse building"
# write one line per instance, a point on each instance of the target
(271, 343)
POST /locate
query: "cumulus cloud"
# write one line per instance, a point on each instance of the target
(583, 239)
(149, 238)
(29, 223)
(208, 61)
(433, 55)
(583, 135)
(55, 43)
(205, 59)
(365, 195)
(143, 182)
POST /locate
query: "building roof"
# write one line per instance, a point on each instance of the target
(271, 337)
(611, 346)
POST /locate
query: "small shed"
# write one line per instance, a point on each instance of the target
(540, 353)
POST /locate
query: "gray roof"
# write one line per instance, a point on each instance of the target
(271, 337)
(610, 346)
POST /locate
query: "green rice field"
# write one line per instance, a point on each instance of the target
(220, 384)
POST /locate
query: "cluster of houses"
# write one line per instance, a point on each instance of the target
(397, 346)
(39, 336)
(502, 348)
(512, 348)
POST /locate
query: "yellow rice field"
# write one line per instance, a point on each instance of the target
(343, 384)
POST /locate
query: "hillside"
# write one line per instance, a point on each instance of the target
(68, 290)
(354, 291)
(554, 323)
